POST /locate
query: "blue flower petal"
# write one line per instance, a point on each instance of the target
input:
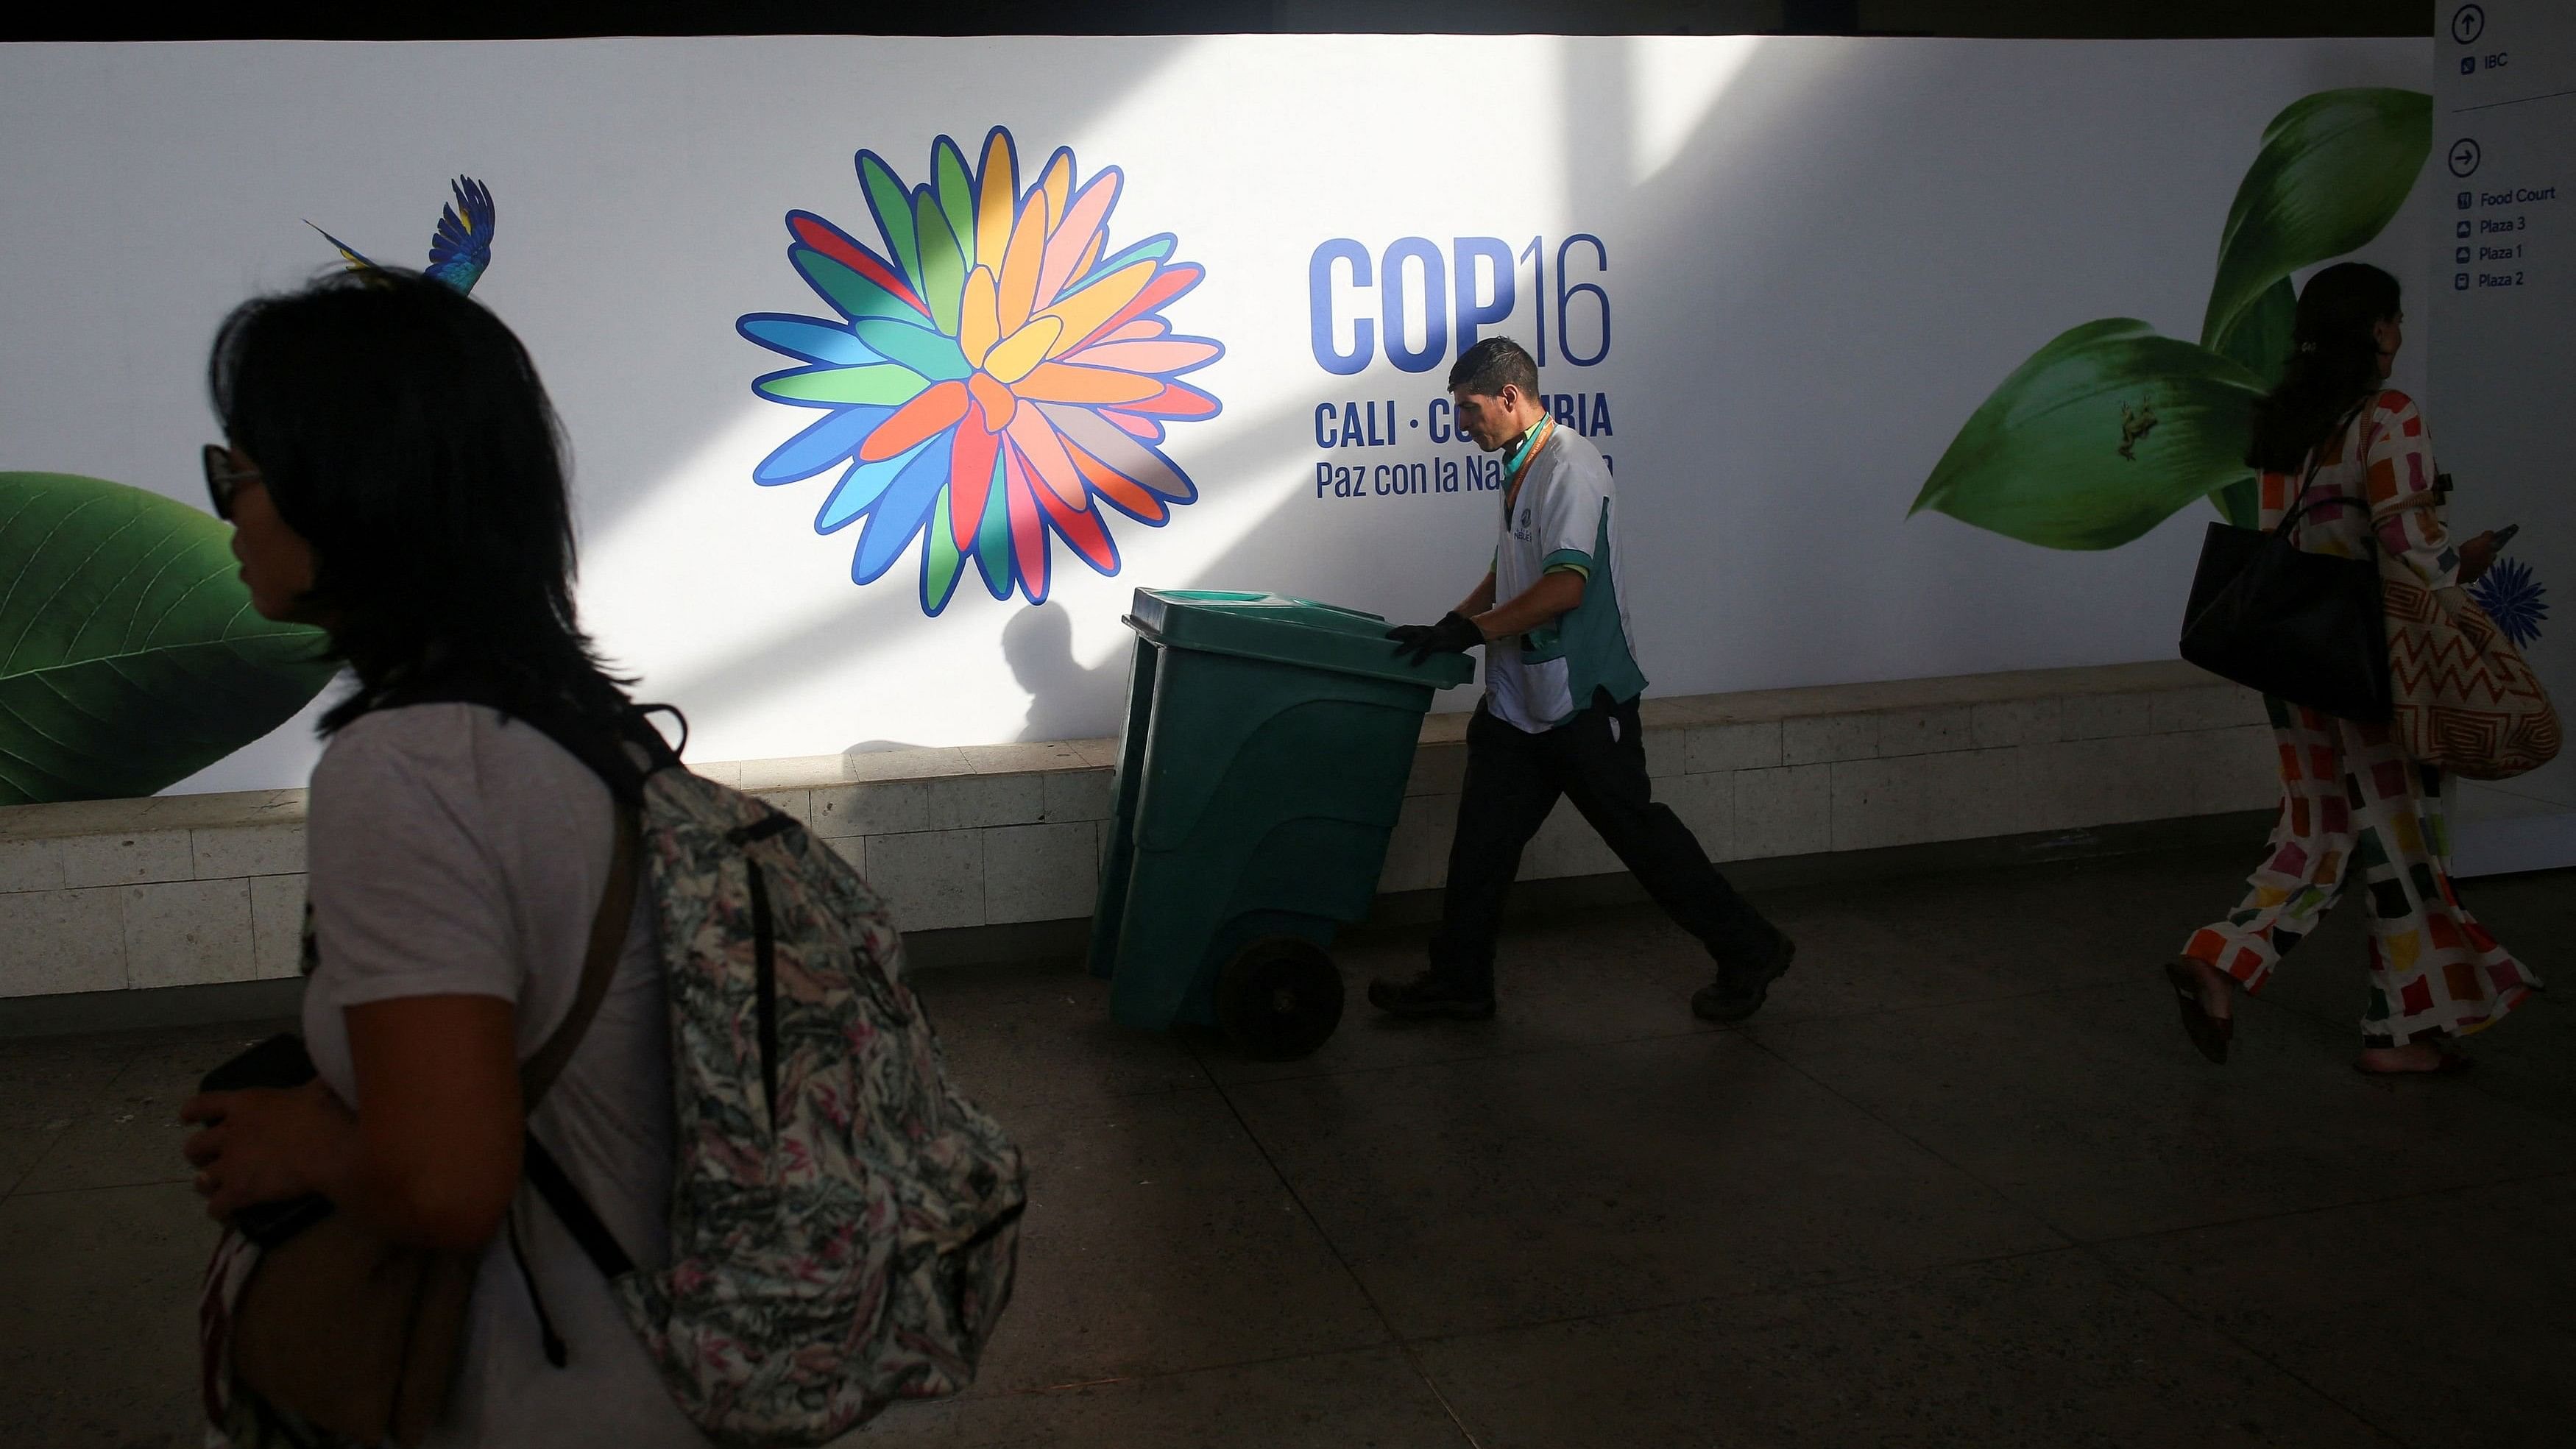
(861, 487)
(820, 446)
(897, 519)
(806, 338)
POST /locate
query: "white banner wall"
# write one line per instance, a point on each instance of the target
(1773, 277)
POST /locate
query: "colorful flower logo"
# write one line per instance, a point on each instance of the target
(2517, 602)
(992, 375)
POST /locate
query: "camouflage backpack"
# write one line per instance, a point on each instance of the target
(844, 1224)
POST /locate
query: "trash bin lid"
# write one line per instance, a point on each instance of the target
(1283, 630)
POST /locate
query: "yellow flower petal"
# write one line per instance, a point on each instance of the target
(1084, 311)
(1024, 350)
(1020, 263)
(993, 209)
(978, 321)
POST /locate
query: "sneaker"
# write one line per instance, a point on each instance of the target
(1432, 995)
(1738, 991)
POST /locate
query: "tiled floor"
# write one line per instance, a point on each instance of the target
(1962, 1183)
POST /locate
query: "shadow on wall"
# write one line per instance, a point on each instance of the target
(1067, 699)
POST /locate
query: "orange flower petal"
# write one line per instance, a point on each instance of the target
(1057, 382)
(936, 410)
(1117, 487)
(993, 401)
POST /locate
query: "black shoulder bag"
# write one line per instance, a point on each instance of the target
(2300, 626)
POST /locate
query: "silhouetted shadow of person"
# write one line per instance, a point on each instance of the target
(1066, 700)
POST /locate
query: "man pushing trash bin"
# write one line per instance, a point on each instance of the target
(1559, 716)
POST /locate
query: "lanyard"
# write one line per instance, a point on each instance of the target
(1512, 485)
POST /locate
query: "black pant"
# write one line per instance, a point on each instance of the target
(1598, 758)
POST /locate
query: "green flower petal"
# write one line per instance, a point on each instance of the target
(885, 385)
(941, 563)
(956, 191)
(894, 215)
(943, 263)
(993, 534)
(929, 353)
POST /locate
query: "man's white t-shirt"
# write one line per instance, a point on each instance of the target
(1561, 518)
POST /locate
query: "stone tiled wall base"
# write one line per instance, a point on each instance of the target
(189, 890)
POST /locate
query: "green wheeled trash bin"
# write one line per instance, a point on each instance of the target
(1267, 744)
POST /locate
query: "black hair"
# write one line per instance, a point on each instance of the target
(1485, 369)
(401, 428)
(2333, 364)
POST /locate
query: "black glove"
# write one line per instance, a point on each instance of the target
(1454, 634)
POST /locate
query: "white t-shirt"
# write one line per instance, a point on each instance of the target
(454, 855)
(1560, 518)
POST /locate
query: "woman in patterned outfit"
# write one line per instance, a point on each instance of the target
(2355, 810)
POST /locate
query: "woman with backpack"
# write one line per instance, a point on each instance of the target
(2356, 810)
(393, 472)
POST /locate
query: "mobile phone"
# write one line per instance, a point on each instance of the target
(279, 1061)
(2505, 535)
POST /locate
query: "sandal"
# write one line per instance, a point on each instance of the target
(2209, 1033)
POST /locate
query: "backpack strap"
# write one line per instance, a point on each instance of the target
(599, 962)
(598, 1244)
(598, 967)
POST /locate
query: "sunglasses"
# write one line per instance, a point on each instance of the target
(222, 478)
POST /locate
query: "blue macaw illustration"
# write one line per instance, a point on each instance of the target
(461, 247)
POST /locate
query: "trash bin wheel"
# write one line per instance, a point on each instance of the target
(1279, 998)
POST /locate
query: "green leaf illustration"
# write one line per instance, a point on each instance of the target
(2033, 462)
(2258, 340)
(129, 655)
(2334, 167)
(2332, 170)
(2099, 437)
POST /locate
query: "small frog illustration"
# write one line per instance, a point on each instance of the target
(2135, 424)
